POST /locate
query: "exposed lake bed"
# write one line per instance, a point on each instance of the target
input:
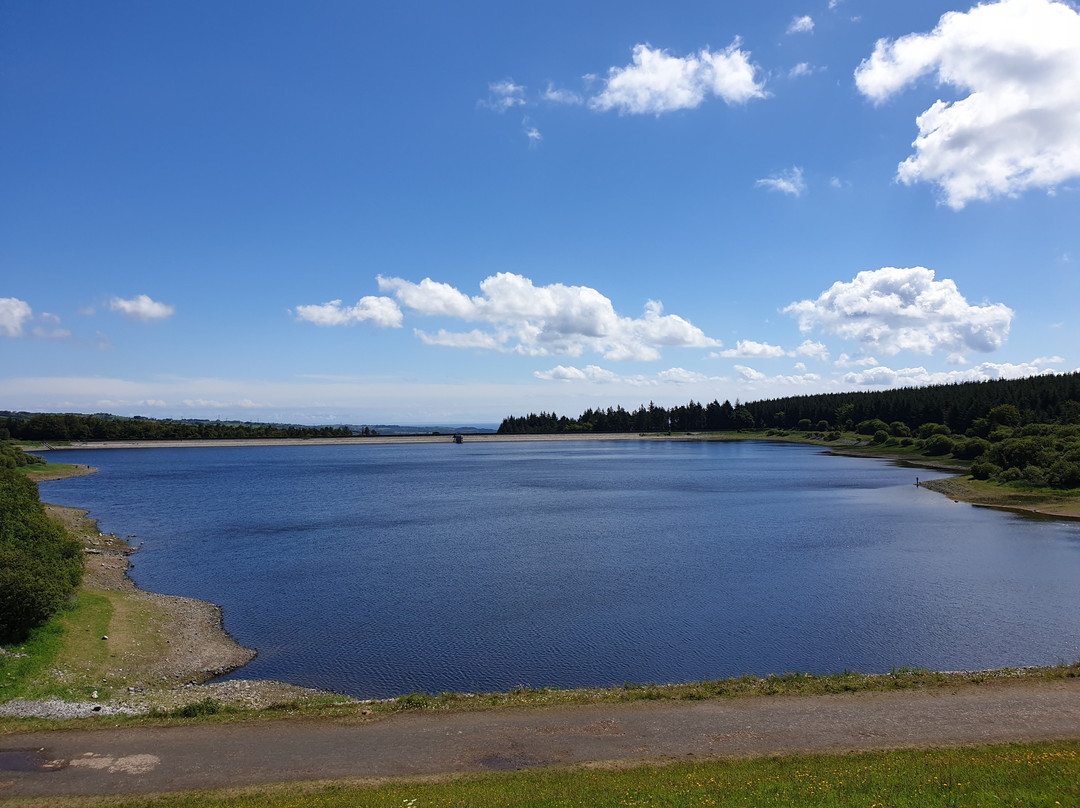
(484, 567)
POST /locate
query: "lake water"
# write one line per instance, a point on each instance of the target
(384, 569)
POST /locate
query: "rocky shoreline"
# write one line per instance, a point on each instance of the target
(197, 648)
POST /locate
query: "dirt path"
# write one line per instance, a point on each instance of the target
(144, 760)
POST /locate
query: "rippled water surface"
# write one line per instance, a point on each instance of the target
(378, 570)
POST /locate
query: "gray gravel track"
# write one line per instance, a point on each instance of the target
(144, 760)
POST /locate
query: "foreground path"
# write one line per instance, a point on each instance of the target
(142, 760)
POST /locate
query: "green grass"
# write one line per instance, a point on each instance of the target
(33, 676)
(1028, 775)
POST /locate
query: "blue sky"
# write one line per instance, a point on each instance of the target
(452, 212)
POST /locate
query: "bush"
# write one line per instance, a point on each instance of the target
(971, 448)
(1010, 475)
(40, 564)
(414, 701)
(207, 706)
(879, 437)
(982, 470)
(871, 426)
(12, 457)
(1065, 474)
(938, 445)
(804, 424)
(1035, 476)
(926, 430)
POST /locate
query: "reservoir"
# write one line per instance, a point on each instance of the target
(377, 570)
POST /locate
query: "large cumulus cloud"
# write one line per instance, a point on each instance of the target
(1018, 62)
(904, 309)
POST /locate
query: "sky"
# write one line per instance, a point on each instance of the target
(448, 213)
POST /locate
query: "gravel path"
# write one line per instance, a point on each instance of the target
(144, 760)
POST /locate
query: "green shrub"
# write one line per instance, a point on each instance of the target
(938, 444)
(970, 448)
(1065, 474)
(40, 564)
(871, 426)
(879, 437)
(1035, 476)
(928, 429)
(13, 457)
(414, 701)
(1009, 475)
(207, 706)
(982, 470)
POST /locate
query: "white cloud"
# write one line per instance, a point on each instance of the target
(755, 378)
(202, 403)
(894, 310)
(381, 311)
(591, 373)
(846, 361)
(683, 376)
(531, 132)
(814, 350)
(748, 374)
(658, 82)
(1018, 60)
(450, 339)
(747, 348)
(503, 95)
(787, 182)
(801, 69)
(801, 25)
(50, 328)
(546, 320)
(881, 376)
(560, 96)
(142, 308)
(14, 313)
(597, 375)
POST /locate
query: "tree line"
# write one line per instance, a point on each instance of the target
(27, 426)
(1024, 431)
(1051, 398)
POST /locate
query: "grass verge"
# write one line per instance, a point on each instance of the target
(64, 658)
(1030, 775)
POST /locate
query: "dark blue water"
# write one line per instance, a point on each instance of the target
(379, 570)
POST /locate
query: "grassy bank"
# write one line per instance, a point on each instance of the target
(1028, 775)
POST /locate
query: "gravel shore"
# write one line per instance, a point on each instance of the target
(198, 647)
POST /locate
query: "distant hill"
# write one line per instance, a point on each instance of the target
(398, 429)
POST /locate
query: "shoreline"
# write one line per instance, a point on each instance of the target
(163, 650)
(201, 649)
(234, 443)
